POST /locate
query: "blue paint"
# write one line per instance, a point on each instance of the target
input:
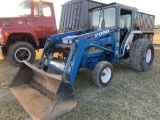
(69, 59)
(86, 50)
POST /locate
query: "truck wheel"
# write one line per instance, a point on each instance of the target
(102, 73)
(150, 37)
(141, 55)
(20, 51)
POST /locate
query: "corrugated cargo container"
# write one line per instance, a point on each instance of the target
(146, 22)
(75, 15)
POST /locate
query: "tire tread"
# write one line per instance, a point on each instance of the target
(137, 54)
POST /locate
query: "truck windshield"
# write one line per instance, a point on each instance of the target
(24, 9)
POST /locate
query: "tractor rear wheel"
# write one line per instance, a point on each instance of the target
(102, 73)
(141, 54)
(19, 51)
(145, 36)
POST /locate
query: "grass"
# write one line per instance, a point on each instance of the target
(157, 31)
(130, 96)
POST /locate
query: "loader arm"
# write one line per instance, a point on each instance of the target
(48, 47)
(78, 45)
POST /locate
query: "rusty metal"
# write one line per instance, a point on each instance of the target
(32, 101)
(44, 96)
(64, 101)
(34, 84)
(146, 22)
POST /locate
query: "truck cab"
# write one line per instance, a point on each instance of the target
(21, 36)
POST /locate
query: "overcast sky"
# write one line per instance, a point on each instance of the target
(9, 7)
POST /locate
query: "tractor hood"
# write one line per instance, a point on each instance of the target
(13, 21)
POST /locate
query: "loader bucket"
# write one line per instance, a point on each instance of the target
(43, 95)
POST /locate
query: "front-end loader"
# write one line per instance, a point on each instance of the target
(47, 96)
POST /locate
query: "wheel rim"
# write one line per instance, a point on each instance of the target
(148, 55)
(106, 75)
(22, 54)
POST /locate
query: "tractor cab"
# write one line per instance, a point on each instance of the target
(113, 14)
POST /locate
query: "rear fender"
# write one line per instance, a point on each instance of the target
(128, 40)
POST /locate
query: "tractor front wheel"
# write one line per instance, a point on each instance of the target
(102, 73)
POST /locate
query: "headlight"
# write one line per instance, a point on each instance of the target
(0, 36)
(67, 41)
(70, 41)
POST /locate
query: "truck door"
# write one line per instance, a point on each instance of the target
(44, 20)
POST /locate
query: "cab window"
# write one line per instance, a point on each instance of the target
(110, 17)
(42, 10)
(125, 19)
(24, 8)
(47, 10)
(96, 19)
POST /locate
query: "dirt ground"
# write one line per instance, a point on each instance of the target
(130, 96)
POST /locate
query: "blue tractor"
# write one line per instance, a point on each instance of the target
(48, 96)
